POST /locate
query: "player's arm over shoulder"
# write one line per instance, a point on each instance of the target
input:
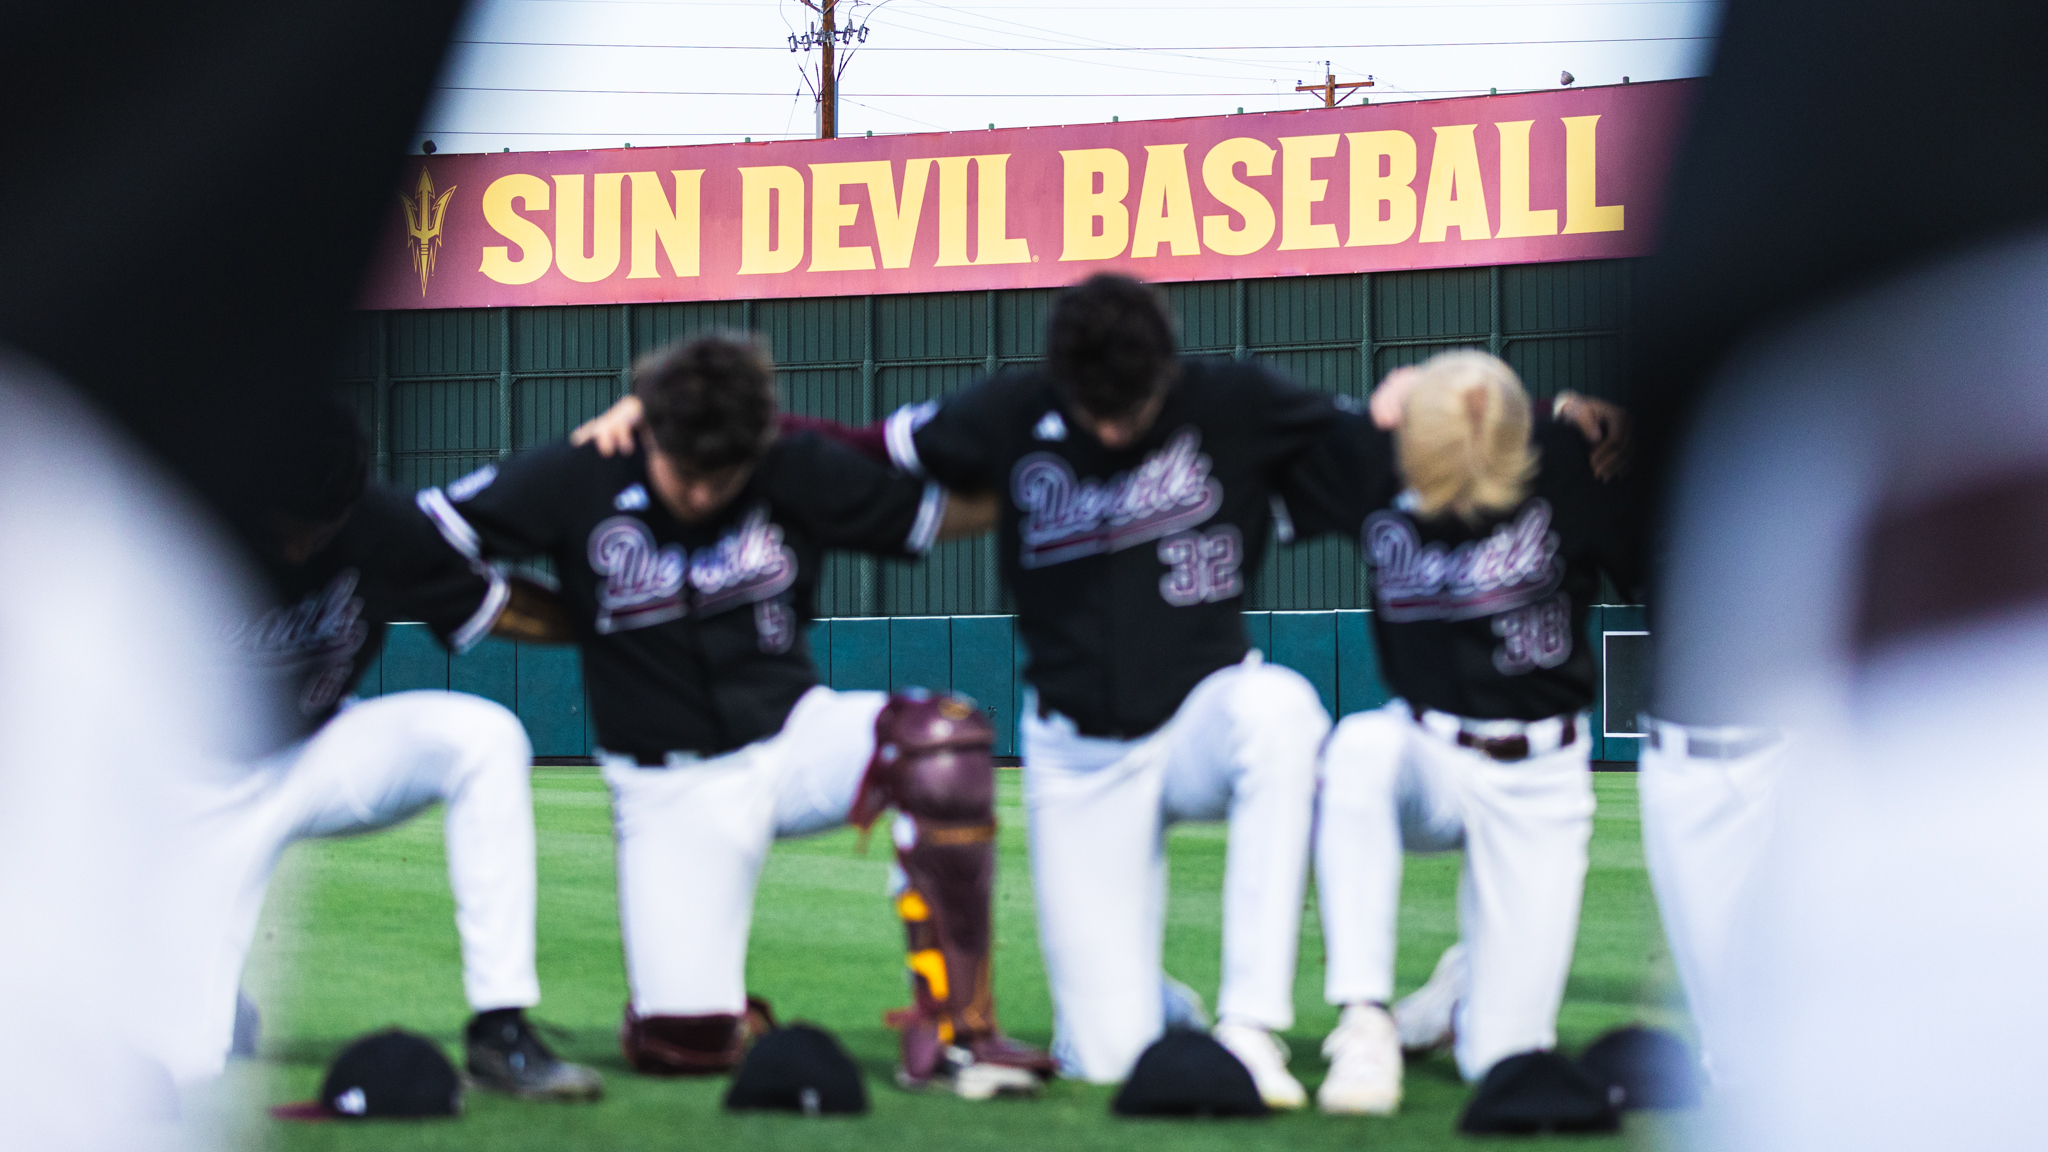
(518, 507)
(850, 501)
(1347, 473)
(955, 439)
(428, 579)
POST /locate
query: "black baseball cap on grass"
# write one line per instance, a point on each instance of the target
(1652, 1067)
(1540, 1091)
(800, 1068)
(1187, 1073)
(393, 1073)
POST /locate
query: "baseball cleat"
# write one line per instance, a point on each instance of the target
(1264, 1055)
(506, 1055)
(1427, 1018)
(1365, 1064)
(970, 1079)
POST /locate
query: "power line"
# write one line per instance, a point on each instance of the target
(606, 135)
(945, 95)
(1048, 49)
(1177, 8)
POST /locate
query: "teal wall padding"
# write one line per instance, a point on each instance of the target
(413, 659)
(1258, 630)
(921, 653)
(1359, 686)
(980, 656)
(818, 635)
(551, 699)
(983, 669)
(1616, 618)
(489, 670)
(860, 654)
(1307, 643)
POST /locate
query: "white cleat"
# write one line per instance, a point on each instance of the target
(1265, 1057)
(1365, 1064)
(1427, 1018)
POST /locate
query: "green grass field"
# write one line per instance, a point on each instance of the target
(358, 935)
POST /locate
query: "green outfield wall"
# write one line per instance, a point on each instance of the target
(445, 391)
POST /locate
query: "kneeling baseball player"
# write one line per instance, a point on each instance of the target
(689, 571)
(1134, 490)
(1483, 529)
(345, 558)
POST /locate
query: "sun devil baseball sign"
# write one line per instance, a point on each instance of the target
(1566, 175)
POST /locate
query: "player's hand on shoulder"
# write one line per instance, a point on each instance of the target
(1391, 397)
(615, 431)
(1604, 424)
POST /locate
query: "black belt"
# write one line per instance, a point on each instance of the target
(1506, 749)
(1958, 557)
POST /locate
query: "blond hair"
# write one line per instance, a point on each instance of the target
(1463, 444)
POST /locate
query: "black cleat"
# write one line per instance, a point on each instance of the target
(506, 1055)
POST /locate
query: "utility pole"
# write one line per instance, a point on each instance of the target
(1329, 86)
(828, 84)
(826, 35)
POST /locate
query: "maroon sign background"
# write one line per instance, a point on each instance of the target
(1569, 175)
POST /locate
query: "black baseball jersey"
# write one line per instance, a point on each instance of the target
(1130, 566)
(1486, 620)
(327, 622)
(692, 633)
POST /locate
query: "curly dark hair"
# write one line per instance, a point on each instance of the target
(710, 400)
(1110, 342)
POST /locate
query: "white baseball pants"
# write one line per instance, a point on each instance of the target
(373, 765)
(1388, 783)
(1888, 992)
(692, 836)
(1706, 826)
(1242, 747)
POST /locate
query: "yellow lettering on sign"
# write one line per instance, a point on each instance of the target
(1457, 193)
(677, 227)
(1166, 205)
(952, 211)
(896, 216)
(993, 243)
(1373, 192)
(1300, 192)
(771, 219)
(1583, 211)
(604, 228)
(829, 214)
(1516, 218)
(1219, 176)
(1084, 207)
(535, 254)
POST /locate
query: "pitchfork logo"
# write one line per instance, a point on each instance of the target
(425, 212)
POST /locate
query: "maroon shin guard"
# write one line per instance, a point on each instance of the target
(933, 764)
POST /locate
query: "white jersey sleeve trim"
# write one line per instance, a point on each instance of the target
(478, 626)
(899, 431)
(453, 528)
(924, 531)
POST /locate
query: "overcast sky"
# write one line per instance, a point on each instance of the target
(541, 74)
